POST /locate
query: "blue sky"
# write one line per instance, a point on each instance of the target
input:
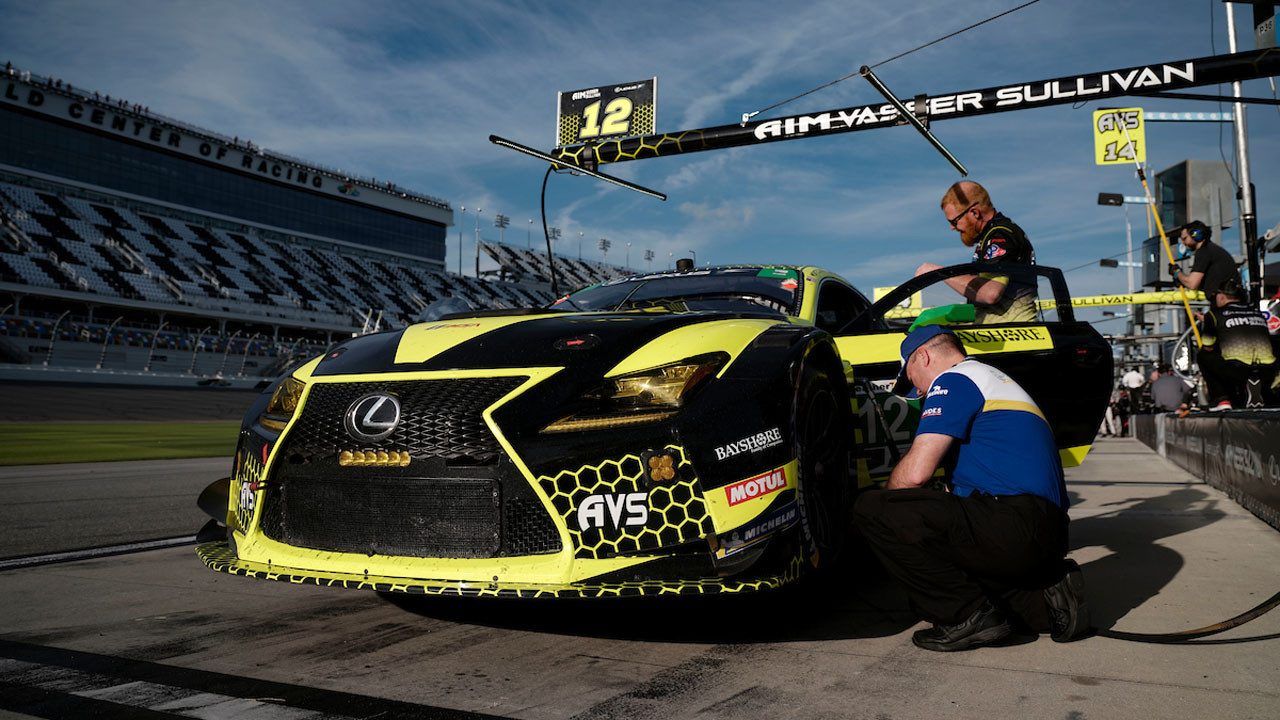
(410, 92)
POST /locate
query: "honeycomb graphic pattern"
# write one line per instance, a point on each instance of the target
(637, 148)
(248, 469)
(642, 120)
(218, 556)
(677, 513)
(569, 126)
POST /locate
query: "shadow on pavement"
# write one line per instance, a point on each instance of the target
(859, 601)
(1138, 567)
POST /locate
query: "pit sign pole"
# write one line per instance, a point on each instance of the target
(1119, 138)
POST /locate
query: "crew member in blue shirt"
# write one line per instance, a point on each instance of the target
(994, 546)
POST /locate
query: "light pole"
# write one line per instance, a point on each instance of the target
(194, 348)
(152, 352)
(501, 222)
(528, 235)
(460, 222)
(628, 256)
(1112, 200)
(53, 337)
(227, 352)
(244, 359)
(670, 260)
(580, 234)
(102, 358)
(478, 211)
(1248, 218)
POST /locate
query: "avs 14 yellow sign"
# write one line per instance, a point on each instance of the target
(1118, 137)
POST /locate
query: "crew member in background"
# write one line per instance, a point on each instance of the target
(994, 239)
(1212, 264)
(996, 544)
(1168, 391)
(1236, 359)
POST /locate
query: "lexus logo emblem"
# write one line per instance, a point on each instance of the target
(373, 417)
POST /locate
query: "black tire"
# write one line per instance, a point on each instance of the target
(822, 438)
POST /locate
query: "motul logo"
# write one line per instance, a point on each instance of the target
(755, 487)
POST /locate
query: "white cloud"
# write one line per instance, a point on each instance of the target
(410, 92)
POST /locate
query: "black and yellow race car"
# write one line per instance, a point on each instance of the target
(700, 431)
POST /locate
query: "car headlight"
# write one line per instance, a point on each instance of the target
(283, 403)
(641, 398)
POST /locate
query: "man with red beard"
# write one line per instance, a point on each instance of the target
(995, 239)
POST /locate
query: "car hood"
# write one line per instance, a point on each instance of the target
(591, 342)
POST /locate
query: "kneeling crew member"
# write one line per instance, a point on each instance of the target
(996, 543)
(1237, 359)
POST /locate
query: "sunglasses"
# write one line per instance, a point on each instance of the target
(956, 219)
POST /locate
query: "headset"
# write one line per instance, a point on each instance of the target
(1199, 232)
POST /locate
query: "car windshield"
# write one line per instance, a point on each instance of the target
(756, 289)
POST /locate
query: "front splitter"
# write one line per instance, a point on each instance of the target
(219, 556)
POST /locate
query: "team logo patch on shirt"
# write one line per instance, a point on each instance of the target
(994, 251)
(937, 390)
(931, 412)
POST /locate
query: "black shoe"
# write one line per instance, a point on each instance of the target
(986, 626)
(1068, 611)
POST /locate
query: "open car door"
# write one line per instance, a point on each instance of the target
(1064, 364)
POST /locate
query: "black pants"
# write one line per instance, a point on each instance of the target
(954, 553)
(1226, 378)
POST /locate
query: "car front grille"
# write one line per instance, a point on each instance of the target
(452, 518)
(458, 497)
(439, 419)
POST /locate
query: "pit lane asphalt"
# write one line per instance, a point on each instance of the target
(155, 634)
(53, 508)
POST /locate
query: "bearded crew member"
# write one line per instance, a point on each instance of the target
(995, 239)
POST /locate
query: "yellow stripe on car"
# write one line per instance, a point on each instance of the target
(884, 347)
(731, 336)
(424, 341)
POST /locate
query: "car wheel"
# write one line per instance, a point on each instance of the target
(821, 433)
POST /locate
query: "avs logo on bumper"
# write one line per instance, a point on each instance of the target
(756, 487)
(373, 417)
(613, 511)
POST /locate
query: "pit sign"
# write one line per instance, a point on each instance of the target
(608, 111)
(1119, 137)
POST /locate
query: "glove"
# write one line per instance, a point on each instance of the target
(1174, 269)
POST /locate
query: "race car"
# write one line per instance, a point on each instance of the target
(691, 431)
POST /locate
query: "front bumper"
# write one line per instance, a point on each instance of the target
(220, 557)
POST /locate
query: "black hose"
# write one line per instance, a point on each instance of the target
(1184, 636)
(551, 259)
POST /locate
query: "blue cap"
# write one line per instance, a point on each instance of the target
(910, 344)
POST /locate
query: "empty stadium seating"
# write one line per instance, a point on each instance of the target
(69, 239)
(524, 265)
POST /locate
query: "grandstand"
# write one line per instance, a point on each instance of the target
(110, 273)
(529, 267)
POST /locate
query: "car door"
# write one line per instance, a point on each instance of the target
(1064, 364)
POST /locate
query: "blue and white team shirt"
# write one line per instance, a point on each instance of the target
(1005, 444)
